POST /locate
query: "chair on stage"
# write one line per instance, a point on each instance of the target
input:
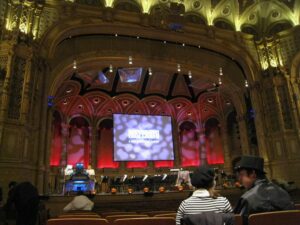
(77, 221)
(116, 217)
(173, 215)
(146, 221)
(291, 217)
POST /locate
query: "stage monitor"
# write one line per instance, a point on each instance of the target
(142, 138)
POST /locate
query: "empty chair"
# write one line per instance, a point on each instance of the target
(146, 221)
(173, 215)
(291, 217)
(77, 221)
(115, 217)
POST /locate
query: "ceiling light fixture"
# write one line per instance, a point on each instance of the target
(111, 69)
(150, 71)
(130, 60)
(74, 64)
(190, 74)
(178, 68)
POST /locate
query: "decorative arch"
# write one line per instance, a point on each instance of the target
(224, 24)
(128, 5)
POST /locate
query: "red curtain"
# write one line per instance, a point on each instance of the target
(159, 164)
(56, 144)
(189, 148)
(141, 164)
(214, 147)
(78, 148)
(105, 149)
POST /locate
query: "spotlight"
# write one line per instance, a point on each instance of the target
(178, 68)
(183, 44)
(74, 65)
(246, 84)
(111, 69)
(130, 60)
(221, 71)
(220, 81)
(150, 71)
(116, 35)
(190, 74)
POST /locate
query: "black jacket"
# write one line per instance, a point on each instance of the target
(264, 196)
(208, 218)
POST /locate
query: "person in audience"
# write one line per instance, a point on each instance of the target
(26, 201)
(204, 198)
(80, 202)
(261, 195)
(9, 207)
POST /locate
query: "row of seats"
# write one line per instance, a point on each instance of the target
(159, 218)
(124, 221)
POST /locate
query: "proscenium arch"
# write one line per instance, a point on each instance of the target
(85, 63)
(74, 27)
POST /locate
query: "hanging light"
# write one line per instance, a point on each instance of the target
(130, 60)
(150, 71)
(178, 68)
(183, 44)
(190, 74)
(111, 69)
(220, 80)
(221, 71)
(74, 64)
(246, 84)
(116, 35)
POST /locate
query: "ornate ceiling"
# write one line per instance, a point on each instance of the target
(257, 17)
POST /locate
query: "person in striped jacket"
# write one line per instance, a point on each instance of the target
(204, 198)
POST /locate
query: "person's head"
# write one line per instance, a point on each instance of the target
(12, 184)
(250, 169)
(89, 167)
(203, 178)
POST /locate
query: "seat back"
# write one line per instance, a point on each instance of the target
(173, 215)
(79, 216)
(153, 213)
(116, 217)
(77, 221)
(291, 217)
(146, 221)
(238, 219)
(105, 214)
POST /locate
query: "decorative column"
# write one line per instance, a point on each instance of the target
(226, 149)
(243, 134)
(90, 129)
(202, 147)
(94, 146)
(65, 137)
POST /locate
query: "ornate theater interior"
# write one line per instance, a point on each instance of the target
(225, 72)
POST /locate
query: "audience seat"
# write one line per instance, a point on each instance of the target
(79, 216)
(77, 221)
(291, 217)
(115, 217)
(173, 215)
(238, 220)
(105, 214)
(146, 221)
(153, 213)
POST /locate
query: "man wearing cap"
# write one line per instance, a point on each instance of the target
(262, 195)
